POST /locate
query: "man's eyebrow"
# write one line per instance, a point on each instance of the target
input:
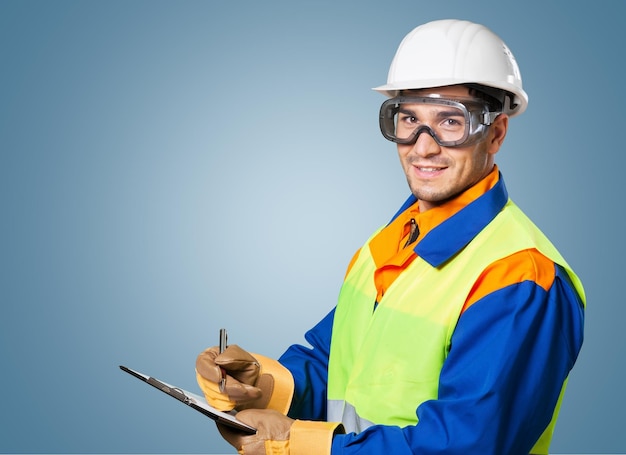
(450, 113)
(442, 113)
(404, 110)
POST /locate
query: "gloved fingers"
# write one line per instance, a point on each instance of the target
(270, 424)
(241, 393)
(234, 360)
(239, 363)
(217, 399)
(272, 429)
(234, 394)
(260, 400)
(243, 443)
(206, 366)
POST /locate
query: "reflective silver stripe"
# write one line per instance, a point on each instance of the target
(340, 411)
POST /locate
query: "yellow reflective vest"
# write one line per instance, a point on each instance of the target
(385, 362)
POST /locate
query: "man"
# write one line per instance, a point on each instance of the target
(458, 322)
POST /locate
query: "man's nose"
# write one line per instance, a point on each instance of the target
(425, 144)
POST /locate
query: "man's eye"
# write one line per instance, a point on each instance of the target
(452, 123)
(409, 119)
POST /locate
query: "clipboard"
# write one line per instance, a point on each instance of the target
(196, 402)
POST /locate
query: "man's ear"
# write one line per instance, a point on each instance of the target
(497, 132)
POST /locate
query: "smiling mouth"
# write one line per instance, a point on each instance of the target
(429, 169)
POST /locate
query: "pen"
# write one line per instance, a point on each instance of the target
(223, 341)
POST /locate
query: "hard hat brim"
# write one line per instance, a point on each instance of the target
(520, 102)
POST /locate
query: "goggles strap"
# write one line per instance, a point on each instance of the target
(489, 117)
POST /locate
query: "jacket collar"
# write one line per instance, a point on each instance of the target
(454, 233)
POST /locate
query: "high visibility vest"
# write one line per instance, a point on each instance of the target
(385, 362)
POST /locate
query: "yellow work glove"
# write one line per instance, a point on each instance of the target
(278, 434)
(251, 381)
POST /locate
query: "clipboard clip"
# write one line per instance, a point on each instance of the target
(173, 391)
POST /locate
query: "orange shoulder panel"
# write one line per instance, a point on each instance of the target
(526, 265)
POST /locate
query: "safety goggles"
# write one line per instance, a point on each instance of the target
(452, 122)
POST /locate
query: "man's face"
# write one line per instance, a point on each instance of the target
(436, 174)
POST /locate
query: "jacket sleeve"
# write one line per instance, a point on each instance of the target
(309, 368)
(510, 355)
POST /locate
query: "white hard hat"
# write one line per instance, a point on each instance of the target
(451, 52)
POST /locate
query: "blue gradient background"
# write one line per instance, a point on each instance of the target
(170, 168)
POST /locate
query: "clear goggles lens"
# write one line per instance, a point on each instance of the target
(451, 122)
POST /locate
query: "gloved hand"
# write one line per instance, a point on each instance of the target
(249, 383)
(278, 434)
